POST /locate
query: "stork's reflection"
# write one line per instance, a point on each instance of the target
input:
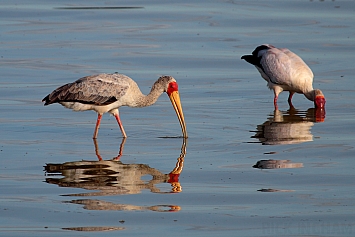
(277, 164)
(289, 127)
(113, 177)
(94, 204)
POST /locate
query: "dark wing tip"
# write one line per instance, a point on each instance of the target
(46, 100)
(251, 59)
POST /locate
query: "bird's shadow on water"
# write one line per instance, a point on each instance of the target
(113, 177)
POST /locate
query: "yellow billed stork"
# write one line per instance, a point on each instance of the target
(107, 92)
(285, 71)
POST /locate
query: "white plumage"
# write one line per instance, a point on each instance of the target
(285, 71)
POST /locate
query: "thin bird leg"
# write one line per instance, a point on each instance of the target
(120, 124)
(99, 116)
(275, 102)
(290, 98)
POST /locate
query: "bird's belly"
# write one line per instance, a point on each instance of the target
(101, 109)
(76, 106)
(292, 88)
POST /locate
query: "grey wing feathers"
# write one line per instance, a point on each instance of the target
(99, 89)
(276, 66)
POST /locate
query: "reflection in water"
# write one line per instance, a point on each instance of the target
(94, 228)
(97, 8)
(270, 190)
(276, 164)
(94, 204)
(115, 158)
(289, 127)
(112, 177)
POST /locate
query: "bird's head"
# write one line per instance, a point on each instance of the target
(319, 100)
(172, 86)
(172, 89)
(167, 84)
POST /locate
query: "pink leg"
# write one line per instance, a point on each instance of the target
(120, 124)
(99, 116)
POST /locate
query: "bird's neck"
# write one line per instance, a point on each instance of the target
(147, 100)
(310, 95)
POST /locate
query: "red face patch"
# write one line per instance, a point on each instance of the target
(173, 86)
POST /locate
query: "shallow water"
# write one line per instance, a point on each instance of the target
(218, 182)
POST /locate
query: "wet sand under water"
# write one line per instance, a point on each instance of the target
(245, 170)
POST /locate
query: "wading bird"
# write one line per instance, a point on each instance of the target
(107, 92)
(285, 71)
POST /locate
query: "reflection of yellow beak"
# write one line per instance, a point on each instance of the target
(175, 101)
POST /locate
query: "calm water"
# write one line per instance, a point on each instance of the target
(245, 169)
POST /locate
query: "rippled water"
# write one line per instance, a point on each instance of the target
(245, 170)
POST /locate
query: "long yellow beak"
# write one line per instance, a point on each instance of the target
(175, 101)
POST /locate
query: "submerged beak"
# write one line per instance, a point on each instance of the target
(175, 101)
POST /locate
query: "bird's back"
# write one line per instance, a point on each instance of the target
(101, 89)
(281, 67)
(285, 71)
(284, 67)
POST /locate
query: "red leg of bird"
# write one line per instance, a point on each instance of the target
(290, 99)
(275, 102)
(120, 124)
(99, 116)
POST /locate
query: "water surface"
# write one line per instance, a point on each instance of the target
(248, 170)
